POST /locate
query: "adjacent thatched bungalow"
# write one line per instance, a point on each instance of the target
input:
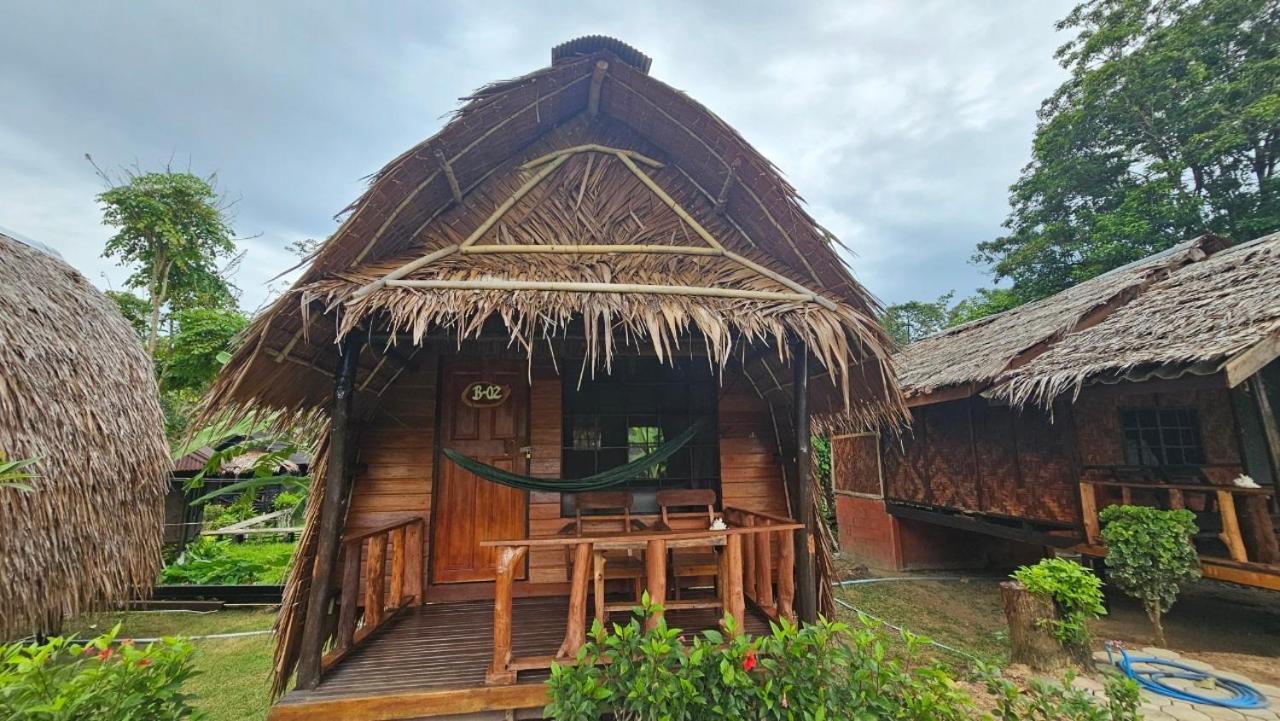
(78, 393)
(552, 342)
(1155, 383)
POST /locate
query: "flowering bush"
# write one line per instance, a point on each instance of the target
(813, 672)
(60, 680)
(820, 671)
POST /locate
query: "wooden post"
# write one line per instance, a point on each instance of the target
(413, 565)
(347, 607)
(764, 568)
(655, 561)
(1089, 513)
(375, 580)
(787, 575)
(749, 561)
(575, 633)
(806, 573)
(734, 603)
(331, 514)
(1270, 427)
(1176, 501)
(1231, 527)
(500, 671)
(597, 583)
(396, 590)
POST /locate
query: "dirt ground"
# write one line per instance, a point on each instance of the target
(1234, 628)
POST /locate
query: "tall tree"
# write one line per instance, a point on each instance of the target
(909, 322)
(173, 229)
(1169, 125)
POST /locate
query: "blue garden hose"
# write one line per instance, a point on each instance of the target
(1242, 694)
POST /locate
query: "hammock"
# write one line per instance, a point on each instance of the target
(604, 479)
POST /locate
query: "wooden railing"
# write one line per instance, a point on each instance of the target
(1259, 524)
(758, 561)
(749, 530)
(397, 545)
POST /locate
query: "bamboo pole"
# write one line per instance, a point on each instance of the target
(784, 280)
(576, 287)
(601, 249)
(402, 271)
(591, 148)
(454, 188)
(509, 203)
(670, 202)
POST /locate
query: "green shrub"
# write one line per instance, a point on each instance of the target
(60, 680)
(1076, 592)
(820, 671)
(287, 499)
(211, 562)
(217, 515)
(1150, 555)
(1046, 701)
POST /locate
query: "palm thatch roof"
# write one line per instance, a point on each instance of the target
(1197, 320)
(1201, 307)
(78, 393)
(592, 153)
(969, 357)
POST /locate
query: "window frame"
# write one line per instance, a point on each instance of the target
(1137, 447)
(689, 379)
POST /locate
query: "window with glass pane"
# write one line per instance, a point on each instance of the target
(1162, 437)
(613, 419)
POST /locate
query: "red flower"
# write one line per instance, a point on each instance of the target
(749, 662)
(106, 653)
(144, 662)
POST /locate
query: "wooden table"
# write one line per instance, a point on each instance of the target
(588, 565)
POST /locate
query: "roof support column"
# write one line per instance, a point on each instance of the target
(337, 476)
(802, 495)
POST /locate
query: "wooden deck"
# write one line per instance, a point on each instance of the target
(430, 662)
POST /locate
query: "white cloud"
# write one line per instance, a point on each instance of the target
(901, 123)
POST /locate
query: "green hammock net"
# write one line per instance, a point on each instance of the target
(604, 479)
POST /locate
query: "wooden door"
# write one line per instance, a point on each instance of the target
(491, 427)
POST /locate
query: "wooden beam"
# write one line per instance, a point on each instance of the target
(574, 287)
(980, 525)
(454, 188)
(1270, 422)
(806, 572)
(575, 634)
(414, 704)
(597, 82)
(734, 600)
(331, 517)
(500, 671)
(942, 395)
(670, 202)
(1231, 527)
(722, 200)
(1243, 365)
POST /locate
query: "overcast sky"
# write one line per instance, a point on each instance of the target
(902, 123)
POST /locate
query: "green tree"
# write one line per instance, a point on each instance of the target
(136, 310)
(1168, 125)
(172, 229)
(1150, 555)
(909, 322)
(198, 345)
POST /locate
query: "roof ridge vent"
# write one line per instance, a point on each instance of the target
(588, 44)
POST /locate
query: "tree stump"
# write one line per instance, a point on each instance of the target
(1030, 630)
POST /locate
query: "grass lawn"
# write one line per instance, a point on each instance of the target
(232, 683)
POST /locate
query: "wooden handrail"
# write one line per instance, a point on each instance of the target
(393, 548)
(1192, 487)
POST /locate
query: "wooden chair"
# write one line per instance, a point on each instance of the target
(689, 563)
(616, 506)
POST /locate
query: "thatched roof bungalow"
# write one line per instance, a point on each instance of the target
(1155, 383)
(584, 270)
(78, 393)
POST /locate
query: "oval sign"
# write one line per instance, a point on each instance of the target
(483, 394)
